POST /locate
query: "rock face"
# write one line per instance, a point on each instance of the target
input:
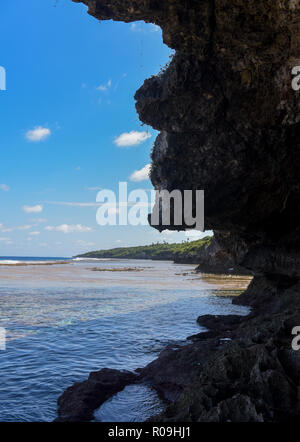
(214, 259)
(229, 118)
(229, 123)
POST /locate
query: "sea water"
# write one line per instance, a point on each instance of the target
(65, 318)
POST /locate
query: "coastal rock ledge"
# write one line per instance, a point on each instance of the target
(229, 123)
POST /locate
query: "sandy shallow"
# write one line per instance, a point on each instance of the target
(134, 273)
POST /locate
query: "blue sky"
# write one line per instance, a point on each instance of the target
(68, 125)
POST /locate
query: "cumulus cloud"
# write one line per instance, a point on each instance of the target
(142, 174)
(34, 233)
(132, 138)
(38, 134)
(104, 87)
(33, 209)
(69, 228)
(4, 187)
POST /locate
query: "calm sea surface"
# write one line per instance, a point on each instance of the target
(65, 318)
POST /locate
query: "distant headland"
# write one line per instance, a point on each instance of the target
(205, 252)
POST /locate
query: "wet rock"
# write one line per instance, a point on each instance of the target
(254, 377)
(79, 401)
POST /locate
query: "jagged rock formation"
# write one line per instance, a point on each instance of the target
(214, 259)
(229, 118)
(230, 124)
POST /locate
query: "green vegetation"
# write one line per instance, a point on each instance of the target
(184, 252)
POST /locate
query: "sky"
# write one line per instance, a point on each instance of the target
(69, 128)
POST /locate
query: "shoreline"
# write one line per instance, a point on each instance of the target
(166, 374)
(239, 369)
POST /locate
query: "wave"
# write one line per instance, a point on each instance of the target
(8, 262)
(91, 259)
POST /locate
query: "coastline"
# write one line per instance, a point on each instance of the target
(169, 374)
(72, 320)
(205, 253)
(235, 370)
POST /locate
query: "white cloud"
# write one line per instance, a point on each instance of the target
(69, 228)
(137, 27)
(74, 204)
(134, 27)
(92, 204)
(33, 209)
(4, 239)
(38, 220)
(4, 187)
(142, 174)
(132, 138)
(25, 227)
(104, 87)
(34, 233)
(11, 229)
(38, 134)
(142, 27)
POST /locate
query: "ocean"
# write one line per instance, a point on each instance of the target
(66, 317)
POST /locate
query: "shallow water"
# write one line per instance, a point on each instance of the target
(63, 321)
(135, 403)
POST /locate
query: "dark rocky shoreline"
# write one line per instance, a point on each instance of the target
(240, 369)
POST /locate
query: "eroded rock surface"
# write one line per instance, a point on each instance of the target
(229, 118)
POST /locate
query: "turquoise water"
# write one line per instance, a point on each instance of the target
(63, 321)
